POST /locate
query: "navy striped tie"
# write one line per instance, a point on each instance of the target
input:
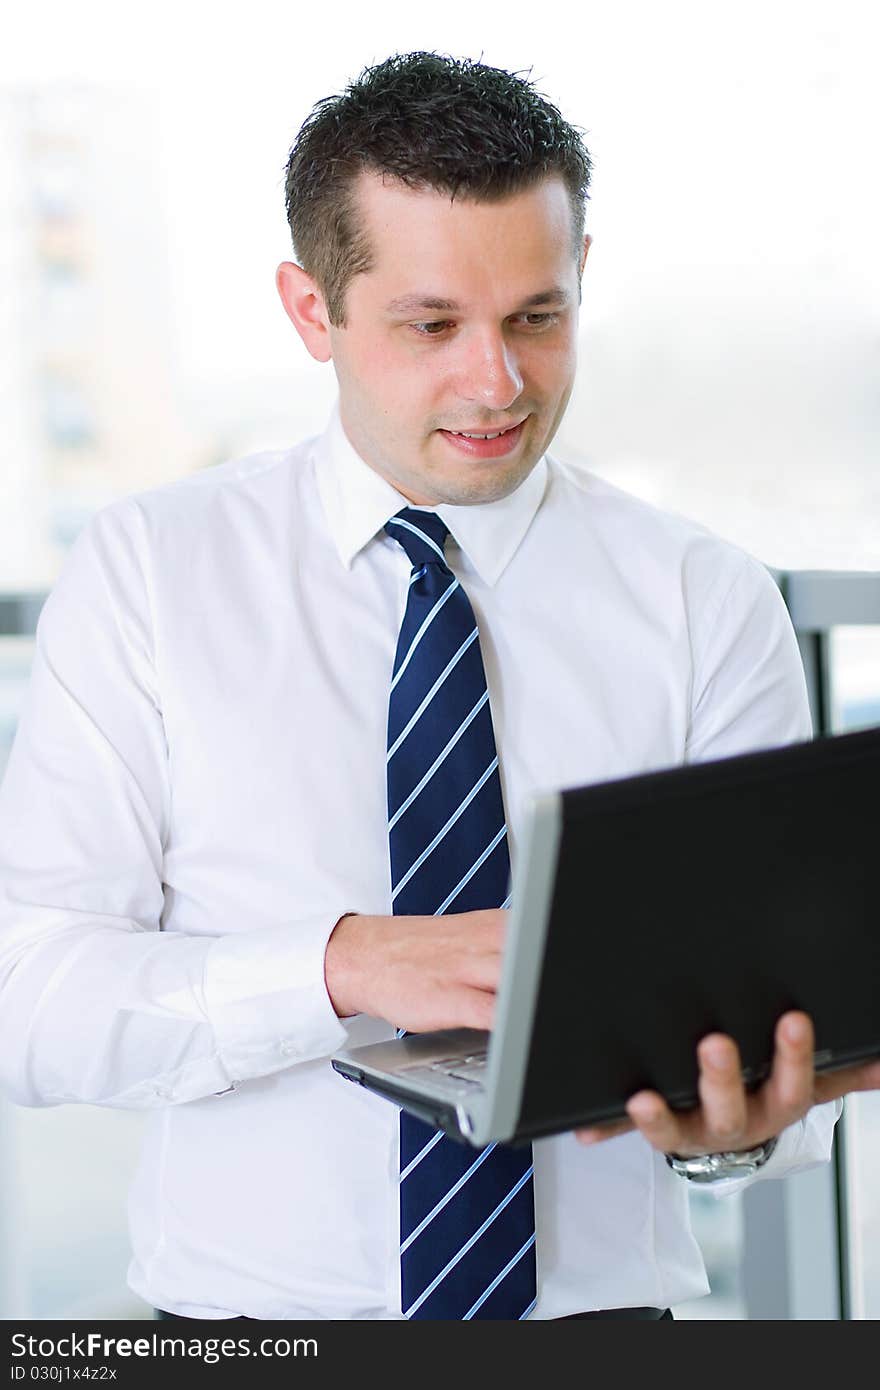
(467, 1219)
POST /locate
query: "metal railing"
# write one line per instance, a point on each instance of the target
(791, 1287)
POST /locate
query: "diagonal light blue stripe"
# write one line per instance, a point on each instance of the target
(416, 574)
(399, 521)
(441, 834)
(431, 693)
(530, 1309)
(498, 1277)
(434, 766)
(481, 1158)
(470, 873)
(405, 1172)
(473, 1240)
(421, 632)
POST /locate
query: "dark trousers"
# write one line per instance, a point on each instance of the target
(641, 1314)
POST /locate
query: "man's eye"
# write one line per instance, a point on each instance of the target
(433, 328)
(427, 329)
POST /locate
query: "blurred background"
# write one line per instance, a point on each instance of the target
(730, 346)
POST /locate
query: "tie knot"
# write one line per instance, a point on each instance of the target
(422, 535)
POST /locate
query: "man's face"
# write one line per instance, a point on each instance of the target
(495, 350)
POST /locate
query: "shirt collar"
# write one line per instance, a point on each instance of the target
(357, 503)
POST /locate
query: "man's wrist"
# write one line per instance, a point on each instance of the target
(714, 1167)
(341, 966)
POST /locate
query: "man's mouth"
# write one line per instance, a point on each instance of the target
(485, 443)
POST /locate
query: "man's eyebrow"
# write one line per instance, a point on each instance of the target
(408, 303)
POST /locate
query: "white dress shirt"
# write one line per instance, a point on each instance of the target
(196, 794)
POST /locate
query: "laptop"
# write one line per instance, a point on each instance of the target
(648, 911)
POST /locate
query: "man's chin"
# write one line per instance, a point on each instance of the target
(471, 490)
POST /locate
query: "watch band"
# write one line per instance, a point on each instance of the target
(714, 1167)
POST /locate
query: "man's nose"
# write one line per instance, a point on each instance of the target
(490, 372)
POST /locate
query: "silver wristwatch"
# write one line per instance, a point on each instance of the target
(714, 1167)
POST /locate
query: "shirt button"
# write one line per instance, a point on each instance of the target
(287, 1049)
(163, 1093)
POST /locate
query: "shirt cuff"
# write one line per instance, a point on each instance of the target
(805, 1144)
(266, 998)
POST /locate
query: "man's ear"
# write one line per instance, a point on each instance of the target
(304, 305)
(588, 241)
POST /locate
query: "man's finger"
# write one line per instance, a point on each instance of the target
(480, 972)
(722, 1092)
(789, 1090)
(833, 1084)
(653, 1118)
(478, 1009)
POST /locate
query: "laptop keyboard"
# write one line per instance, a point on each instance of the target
(461, 1071)
(470, 1068)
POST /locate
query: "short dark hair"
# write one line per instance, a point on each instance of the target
(433, 122)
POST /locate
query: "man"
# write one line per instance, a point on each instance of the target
(227, 835)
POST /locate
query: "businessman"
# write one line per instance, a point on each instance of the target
(282, 721)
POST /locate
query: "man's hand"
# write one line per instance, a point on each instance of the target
(419, 973)
(728, 1117)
